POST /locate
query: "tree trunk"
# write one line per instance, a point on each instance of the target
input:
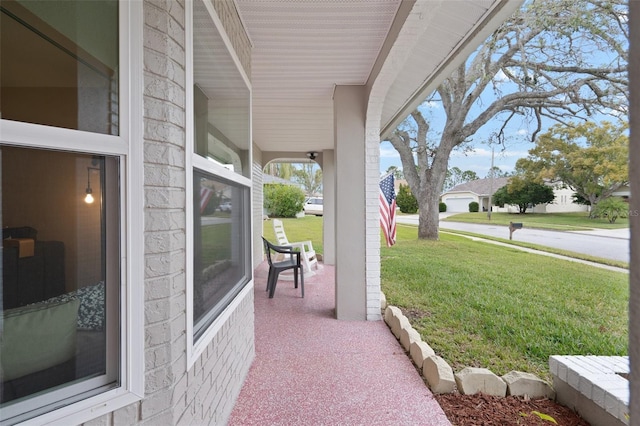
(429, 214)
(431, 183)
(593, 200)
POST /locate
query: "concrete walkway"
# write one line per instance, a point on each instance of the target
(311, 369)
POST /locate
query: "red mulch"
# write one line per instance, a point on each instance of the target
(485, 410)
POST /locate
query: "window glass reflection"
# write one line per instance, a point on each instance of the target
(59, 62)
(221, 259)
(221, 99)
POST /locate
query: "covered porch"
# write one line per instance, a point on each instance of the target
(311, 369)
(332, 78)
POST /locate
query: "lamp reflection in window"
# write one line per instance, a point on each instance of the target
(89, 197)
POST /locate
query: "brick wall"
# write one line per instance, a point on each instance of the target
(204, 394)
(165, 221)
(228, 14)
(258, 206)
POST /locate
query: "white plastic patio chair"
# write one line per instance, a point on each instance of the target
(307, 253)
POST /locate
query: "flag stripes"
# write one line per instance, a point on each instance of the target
(388, 209)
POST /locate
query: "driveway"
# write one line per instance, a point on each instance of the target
(607, 244)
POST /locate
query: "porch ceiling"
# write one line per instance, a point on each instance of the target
(302, 49)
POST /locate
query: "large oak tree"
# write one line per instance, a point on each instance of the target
(554, 59)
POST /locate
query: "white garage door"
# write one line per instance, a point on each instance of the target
(458, 205)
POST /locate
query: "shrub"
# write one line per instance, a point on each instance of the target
(283, 200)
(406, 201)
(474, 207)
(442, 207)
(611, 208)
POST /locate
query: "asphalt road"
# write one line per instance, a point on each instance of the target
(606, 244)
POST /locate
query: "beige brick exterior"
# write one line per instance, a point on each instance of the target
(204, 394)
(228, 14)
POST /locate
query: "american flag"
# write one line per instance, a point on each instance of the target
(205, 197)
(388, 209)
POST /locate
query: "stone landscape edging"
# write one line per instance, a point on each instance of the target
(470, 380)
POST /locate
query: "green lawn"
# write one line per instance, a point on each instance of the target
(496, 307)
(300, 229)
(215, 243)
(483, 305)
(557, 221)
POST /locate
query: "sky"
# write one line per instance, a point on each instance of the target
(517, 134)
(478, 159)
(477, 156)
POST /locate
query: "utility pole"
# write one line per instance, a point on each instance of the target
(491, 172)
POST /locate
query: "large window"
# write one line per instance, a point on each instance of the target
(220, 257)
(60, 279)
(221, 238)
(63, 159)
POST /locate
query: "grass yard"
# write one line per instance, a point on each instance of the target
(556, 221)
(496, 307)
(299, 229)
(215, 243)
(482, 305)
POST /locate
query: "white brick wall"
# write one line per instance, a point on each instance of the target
(372, 212)
(228, 14)
(206, 393)
(596, 378)
(258, 205)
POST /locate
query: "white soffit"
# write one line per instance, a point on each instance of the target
(453, 30)
(303, 48)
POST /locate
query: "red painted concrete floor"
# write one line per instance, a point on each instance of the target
(311, 369)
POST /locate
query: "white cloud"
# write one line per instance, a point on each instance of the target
(388, 152)
(500, 77)
(622, 111)
(486, 153)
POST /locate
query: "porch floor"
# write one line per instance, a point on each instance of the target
(311, 369)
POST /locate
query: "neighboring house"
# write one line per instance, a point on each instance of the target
(562, 203)
(268, 179)
(141, 308)
(624, 192)
(458, 198)
(397, 183)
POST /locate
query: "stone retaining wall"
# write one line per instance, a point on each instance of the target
(440, 376)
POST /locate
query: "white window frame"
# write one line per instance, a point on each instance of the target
(128, 146)
(195, 161)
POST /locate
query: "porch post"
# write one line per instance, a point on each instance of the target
(349, 106)
(329, 203)
(634, 212)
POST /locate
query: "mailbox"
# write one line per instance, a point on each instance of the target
(514, 226)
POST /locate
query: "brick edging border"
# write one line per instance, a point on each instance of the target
(440, 376)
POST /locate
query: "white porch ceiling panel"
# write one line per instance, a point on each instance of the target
(452, 31)
(303, 48)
